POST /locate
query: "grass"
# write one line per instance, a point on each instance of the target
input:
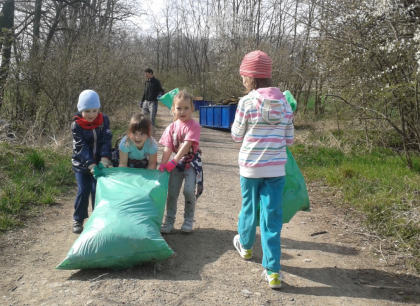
(377, 183)
(30, 178)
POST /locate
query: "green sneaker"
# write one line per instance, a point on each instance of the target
(244, 253)
(273, 278)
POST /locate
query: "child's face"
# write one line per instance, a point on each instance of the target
(139, 138)
(90, 114)
(183, 110)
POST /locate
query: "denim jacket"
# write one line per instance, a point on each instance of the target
(90, 145)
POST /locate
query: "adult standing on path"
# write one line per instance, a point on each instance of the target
(152, 89)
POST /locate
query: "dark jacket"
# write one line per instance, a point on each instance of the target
(152, 88)
(90, 145)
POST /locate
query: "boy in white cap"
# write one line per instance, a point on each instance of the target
(92, 141)
(264, 124)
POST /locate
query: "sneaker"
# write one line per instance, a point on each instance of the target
(273, 278)
(187, 226)
(77, 226)
(167, 228)
(244, 253)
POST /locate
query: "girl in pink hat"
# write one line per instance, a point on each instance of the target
(264, 124)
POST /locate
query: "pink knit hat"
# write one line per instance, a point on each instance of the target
(256, 64)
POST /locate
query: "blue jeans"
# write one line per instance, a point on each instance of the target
(174, 187)
(86, 184)
(262, 198)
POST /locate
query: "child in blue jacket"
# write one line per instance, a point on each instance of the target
(91, 145)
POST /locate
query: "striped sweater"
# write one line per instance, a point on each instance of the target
(264, 124)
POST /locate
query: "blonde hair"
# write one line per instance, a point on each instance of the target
(251, 83)
(182, 95)
(140, 123)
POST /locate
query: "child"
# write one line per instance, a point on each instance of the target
(91, 145)
(264, 124)
(182, 137)
(138, 149)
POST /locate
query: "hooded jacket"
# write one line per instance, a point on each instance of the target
(90, 145)
(264, 124)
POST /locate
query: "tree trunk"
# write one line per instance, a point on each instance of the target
(36, 26)
(6, 38)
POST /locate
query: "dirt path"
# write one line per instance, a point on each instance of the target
(334, 268)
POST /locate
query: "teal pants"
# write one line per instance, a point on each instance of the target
(262, 198)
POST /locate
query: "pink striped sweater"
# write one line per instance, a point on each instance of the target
(264, 124)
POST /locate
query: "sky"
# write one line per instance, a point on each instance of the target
(153, 8)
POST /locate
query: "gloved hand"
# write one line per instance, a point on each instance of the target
(162, 167)
(106, 162)
(97, 170)
(171, 165)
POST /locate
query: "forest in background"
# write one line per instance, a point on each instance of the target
(355, 60)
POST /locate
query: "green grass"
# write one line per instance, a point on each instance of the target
(378, 183)
(30, 178)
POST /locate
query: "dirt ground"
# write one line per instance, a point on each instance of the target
(327, 257)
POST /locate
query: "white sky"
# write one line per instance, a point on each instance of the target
(148, 9)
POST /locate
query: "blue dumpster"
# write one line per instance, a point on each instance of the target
(199, 103)
(217, 116)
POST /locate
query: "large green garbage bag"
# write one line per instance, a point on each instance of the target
(295, 194)
(124, 228)
(168, 98)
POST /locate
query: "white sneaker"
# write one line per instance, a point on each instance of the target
(167, 228)
(187, 226)
(244, 253)
(274, 279)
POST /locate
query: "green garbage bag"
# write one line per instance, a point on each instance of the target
(168, 98)
(295, 194)
(290, 99)
(124, 228)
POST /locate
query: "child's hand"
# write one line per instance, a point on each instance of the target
(162, 167)
(106, 162)
(91, 167)
(170, 165)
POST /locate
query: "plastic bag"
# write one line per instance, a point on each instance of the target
(168, 98)
(290, 99)
(295, 194)
(124, 228)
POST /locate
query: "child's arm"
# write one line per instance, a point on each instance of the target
(165, 155)
(81, 148)
(123, 159)
(185, 148)
(152, 161)
(239, 126)
(289, 134)
(290, 131)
